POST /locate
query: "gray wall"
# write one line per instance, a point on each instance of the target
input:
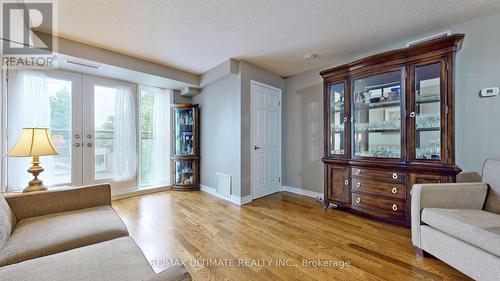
(477, 119)
(225, 123)
(477, 126)
(249, 72)
(220, 131)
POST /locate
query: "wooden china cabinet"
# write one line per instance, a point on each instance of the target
(185, 147)
(389, 124)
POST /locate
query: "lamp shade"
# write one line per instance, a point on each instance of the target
(33, 142)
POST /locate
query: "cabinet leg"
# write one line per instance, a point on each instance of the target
(326, 204)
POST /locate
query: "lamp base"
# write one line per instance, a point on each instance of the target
(35, 184)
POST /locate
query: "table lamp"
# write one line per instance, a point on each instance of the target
(33, 142)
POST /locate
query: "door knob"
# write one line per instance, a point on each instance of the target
(256, 147)
(89, 144)
(77, 144)
(412, 115)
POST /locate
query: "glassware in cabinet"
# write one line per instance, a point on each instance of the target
(377, 103)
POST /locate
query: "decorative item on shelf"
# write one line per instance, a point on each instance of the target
(338, 128)
(34, 142)
(428, 121)
(375, 95)
(394, 94)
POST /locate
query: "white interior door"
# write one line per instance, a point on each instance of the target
(266, 139)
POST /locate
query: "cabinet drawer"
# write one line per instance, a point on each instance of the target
(380, 188)
(376, 206)
(382, 175)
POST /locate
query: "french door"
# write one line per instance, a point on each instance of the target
(104, 113)
(85, 115)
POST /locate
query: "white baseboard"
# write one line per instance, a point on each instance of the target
(233, 199)
(302, 191)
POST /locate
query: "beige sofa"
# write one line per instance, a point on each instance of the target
(71, 234)
(460, 223)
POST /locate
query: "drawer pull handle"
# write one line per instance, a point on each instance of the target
(346, 182)
(394, 190)
(345, 119)
(394, 207)
(358, 184)
(358, 171)
(395, 176)
(358, 200)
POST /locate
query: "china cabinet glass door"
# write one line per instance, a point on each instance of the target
(184, 174)
(426, 111)
(184, 132)
(337, 120)
(377, 101)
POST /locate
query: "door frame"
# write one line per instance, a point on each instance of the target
(254, 83)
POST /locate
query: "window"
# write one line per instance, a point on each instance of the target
(146, 125)
(154, 126)
(104, 115)
(94, 123)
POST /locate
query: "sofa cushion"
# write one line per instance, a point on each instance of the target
(44, 235)
(491, 176)
(115, 260)
(477, 227)
(7, 221)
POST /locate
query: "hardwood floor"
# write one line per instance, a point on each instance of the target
(252, 240)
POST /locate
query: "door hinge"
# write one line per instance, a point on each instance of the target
(279, 179)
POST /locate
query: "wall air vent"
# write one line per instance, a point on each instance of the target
(83, 64)
(428, 38)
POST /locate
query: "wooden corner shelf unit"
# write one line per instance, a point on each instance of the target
(389, 124)
(185, 147)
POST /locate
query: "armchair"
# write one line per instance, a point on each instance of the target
(459, 223)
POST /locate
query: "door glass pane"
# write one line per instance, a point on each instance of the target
(183, 173)
(184, 132)
(428, 111)
(377, 115)
(60, 129)
(104, 114)
(337, 114)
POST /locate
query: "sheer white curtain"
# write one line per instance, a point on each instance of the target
(28, 107)
(125, 135)
(161, 137)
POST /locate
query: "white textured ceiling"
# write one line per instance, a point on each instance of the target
(196, 35)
